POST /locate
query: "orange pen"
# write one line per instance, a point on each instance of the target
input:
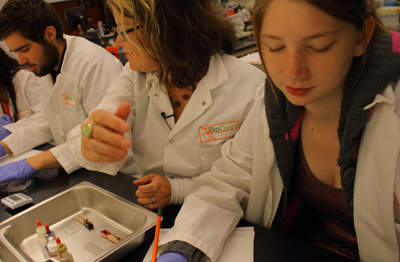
(157, 234)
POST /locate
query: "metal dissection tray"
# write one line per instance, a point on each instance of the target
(19, 242)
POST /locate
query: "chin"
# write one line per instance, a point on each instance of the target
(297, 101)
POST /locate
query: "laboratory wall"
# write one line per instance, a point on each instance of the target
(95, 12)
(249, 4)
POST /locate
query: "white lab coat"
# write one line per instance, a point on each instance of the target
(247, 178)
(221, 100)
(87, 71)
(28, 93)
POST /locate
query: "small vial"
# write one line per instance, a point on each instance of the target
(51, 247)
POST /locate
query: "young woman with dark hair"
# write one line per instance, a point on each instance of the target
(318, 157)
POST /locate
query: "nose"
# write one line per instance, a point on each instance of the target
(118, 42)
(21, 59)
(295, 66)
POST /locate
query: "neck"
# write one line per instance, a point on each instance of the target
(325, 114)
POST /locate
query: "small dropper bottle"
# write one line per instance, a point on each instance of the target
(50, 236)
(62, 252)
(40, 231)
(49, 233)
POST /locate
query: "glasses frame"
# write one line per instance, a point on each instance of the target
(121, 34)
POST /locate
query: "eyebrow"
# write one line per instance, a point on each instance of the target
(318, 35)
(19, 48)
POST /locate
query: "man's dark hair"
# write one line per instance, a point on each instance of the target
(29, 18)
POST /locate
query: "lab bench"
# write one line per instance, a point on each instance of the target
(268, 245)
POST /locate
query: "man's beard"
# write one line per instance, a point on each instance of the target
(50, 59)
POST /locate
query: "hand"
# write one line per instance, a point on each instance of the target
(4, 133)
(171, 257)
(107, 143)
(18, 170)
(5, 120)
(153, 185)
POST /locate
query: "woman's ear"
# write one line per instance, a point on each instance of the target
(364, 36)
(50, 34)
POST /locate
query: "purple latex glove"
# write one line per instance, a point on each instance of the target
(171, 257)
(4, 133)
(18, 170)
(5, 120)
(2, 150)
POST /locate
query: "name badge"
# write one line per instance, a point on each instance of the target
(68, 99)
(23, 111)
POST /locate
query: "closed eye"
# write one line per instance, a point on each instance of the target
(273, 50)
(323, 50)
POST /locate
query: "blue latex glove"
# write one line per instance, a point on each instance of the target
(5, 120)
(18, 170)
(171, 257)
(4, 133)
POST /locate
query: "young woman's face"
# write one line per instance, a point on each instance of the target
(302, 43)
(139, 60)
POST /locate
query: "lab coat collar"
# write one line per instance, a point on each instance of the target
(69, 39)
(387, 96)
(216, 74)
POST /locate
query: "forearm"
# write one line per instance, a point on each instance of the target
(45, 160)
(8, 150)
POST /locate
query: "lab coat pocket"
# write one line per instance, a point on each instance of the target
(209, 155)
(70, 119)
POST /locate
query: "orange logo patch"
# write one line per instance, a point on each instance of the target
(218, 131)
(68, 99)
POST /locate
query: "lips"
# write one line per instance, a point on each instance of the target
(298, 91)
(30, 66)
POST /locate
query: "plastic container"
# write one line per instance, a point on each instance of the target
(62, 252)
(40, 231)
(49, 233)
(51, 247)
(389, 15)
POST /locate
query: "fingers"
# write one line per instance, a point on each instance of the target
(123, 111)
(150, 204)
(110, 137)
(144, 179)
(159, 188)
(110, 121)
(107, 143)
(100, 152)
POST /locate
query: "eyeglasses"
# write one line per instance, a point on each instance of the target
(121, 34)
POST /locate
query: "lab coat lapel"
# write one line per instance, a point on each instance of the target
(375, 178)
(160, 98)
(201, 98)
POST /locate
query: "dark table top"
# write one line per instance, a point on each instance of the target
(268, 244)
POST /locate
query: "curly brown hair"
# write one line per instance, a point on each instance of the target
(180, 35)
